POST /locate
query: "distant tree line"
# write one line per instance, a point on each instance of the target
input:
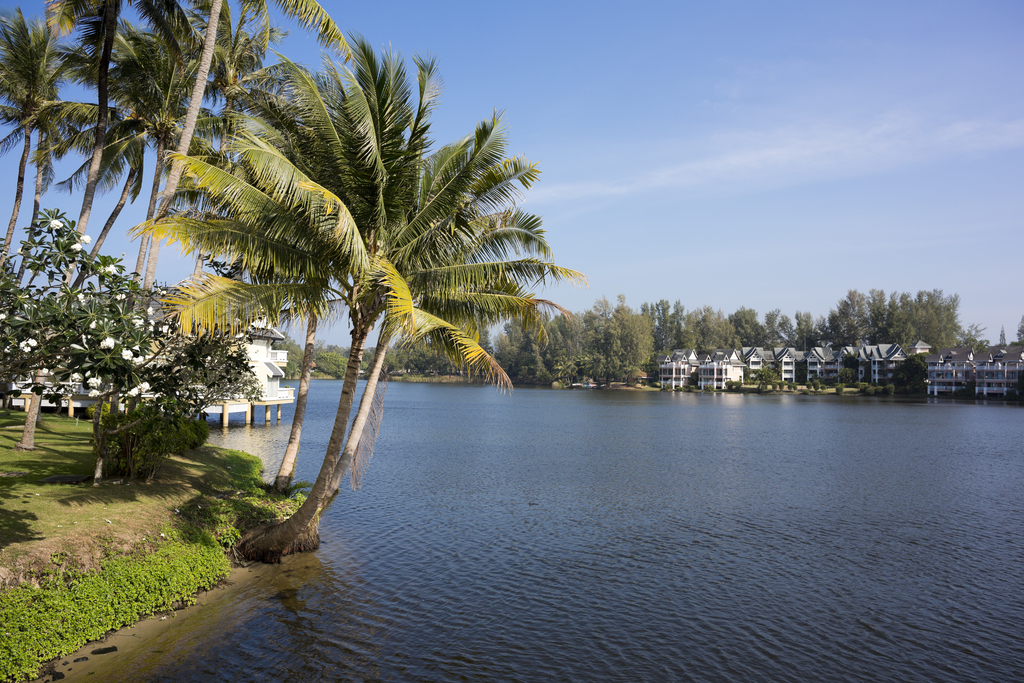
(617, 343)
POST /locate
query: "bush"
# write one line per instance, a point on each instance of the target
(140, 450)
(870, 391)
(890, 389)
(817, 384)
(839, 389)
(805, 392)
(91, 410)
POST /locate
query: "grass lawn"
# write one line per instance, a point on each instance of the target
(215, 491)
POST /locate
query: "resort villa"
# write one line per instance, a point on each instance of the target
(995, 372)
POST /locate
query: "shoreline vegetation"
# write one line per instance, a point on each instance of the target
(78, 562)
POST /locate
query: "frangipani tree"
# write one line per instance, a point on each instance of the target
(60, 337)
(337, 195)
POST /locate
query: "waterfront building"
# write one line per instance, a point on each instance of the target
(675, 368)
(998, 371)
(950, 369)
(266, 363)
(881, 362)
(719, 367)
(919, 347)
(817, 359)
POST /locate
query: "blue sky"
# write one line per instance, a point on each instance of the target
(769, 155)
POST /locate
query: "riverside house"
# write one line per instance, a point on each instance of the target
(675, 368)
(266, 363)
(950, 369)
(999, 370)
(719, 367)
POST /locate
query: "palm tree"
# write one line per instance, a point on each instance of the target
(308, 13)
(149, 91)
(397, 233)
(98, 21)
(30, 76)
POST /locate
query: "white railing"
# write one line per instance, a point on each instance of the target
(276, 356)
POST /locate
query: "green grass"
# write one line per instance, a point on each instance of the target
(102, 557)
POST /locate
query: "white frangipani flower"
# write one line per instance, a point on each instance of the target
(126, 354)
(56, 224)
(108, 343)
(76, 246)
(92, 325)
(93, 393)
(86, 239)
(94, 381)
(32, 342)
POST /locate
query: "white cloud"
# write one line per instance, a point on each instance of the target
(795, 155)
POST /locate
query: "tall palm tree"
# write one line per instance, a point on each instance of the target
(98, 23)
(308, 13)
(30, 76)
(149, 92)
(382, 221)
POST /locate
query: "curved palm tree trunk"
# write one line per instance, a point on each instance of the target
(299, 532)
(109, 29)
(365, 404)
(154, 194)
(191, 117)
(287, 469)
(132, 174)
(18, 189)
(121, 201)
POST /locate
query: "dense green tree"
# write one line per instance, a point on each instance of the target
(803, 333)
(1020, 331)
(912, 375)
(971, 336)
(749, 330)
(848, 321)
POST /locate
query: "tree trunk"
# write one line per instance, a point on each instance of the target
(132, 174)
(287, 469)
(154, 194)
(28, 437)
(18, 189)
(109, 29)
(100, 441)
(198, 90)
(37, 198)
(154, 254)
(365, 403)
(299, 532)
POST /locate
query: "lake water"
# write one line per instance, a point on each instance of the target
(620, 536)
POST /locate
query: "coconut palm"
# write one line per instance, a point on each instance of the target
(98, 24)
(30, 76)
(308, 13)
(149, 91)
(396, 231)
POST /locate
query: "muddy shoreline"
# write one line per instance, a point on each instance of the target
(106, 659)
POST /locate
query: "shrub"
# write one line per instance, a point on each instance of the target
(817, 384)
(890, 389)
(870, 391)
(57, 619)
(140, 450)
(91, 410)
(839, 389)
(805, 392)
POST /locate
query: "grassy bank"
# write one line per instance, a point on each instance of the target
(78, 561)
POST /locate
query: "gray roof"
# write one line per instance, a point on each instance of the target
(265, 333)
(274, 370)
